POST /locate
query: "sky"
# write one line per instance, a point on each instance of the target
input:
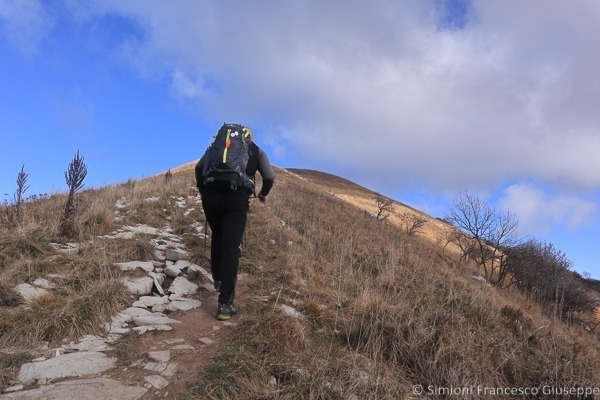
(419, 100)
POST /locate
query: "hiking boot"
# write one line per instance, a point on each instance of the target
(217, 285)
(225, 311)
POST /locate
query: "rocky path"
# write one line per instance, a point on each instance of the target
(173, 315)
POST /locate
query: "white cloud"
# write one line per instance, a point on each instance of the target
(24, 23)
(513, 95)
(539, 211)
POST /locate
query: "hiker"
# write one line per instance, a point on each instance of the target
(225, 178)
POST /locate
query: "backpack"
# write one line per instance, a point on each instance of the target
(226, 159)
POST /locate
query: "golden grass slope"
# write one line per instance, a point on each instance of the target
(344, 306)
(434, 230)
(370, 312)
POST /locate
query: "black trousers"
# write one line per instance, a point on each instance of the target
(226, 213)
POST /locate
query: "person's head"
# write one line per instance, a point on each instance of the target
(250, 131)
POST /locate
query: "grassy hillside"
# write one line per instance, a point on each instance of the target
(339, 305)
(377, 313)
(84, 283)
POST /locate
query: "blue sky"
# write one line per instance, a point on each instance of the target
(417, 99)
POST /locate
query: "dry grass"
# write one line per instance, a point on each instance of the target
(10, 362)
(86, 289)
(382, 311)
(128, 348)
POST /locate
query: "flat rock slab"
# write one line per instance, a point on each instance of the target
(141, 286)
(143, 229)
(151, 301)
(151, 328)
(80, 389)
(183, 304)
(157, 381)
(66, 366)
(182, 286)
(160, 356)
(165, 369)
(155, 319)
(88, 343)
(147, 266)
(175, 255)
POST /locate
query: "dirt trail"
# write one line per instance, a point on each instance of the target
(200, 330)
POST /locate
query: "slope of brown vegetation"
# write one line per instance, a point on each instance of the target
(375, 312)
(340, 305)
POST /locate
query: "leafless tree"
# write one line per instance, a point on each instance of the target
(74, 177)
(487, 232)
(413, 223)
(384, 207)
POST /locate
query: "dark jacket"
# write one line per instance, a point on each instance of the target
(258, 161)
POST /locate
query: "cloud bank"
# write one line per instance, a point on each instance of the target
(495, 91)
(538, 211)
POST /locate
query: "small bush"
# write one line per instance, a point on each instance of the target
(9, 366)
(128, 348)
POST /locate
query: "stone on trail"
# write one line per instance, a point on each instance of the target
(206, 341)
(154, 319)
(157, 381)
(88, 343)
(165, 369)
(183, 304)
(140, 286)
(81, 389)
(151, 301)
(160, 356)
(66, 366)
(158, 279)
(183, 264)
(182, 286)
(150, 328)
(134, 312)
(173, 271)
(43, 283)
(183, 347)
(147, 266)
(175, 255)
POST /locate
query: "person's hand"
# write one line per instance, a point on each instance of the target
(262, 198)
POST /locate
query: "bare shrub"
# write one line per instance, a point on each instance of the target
(544, 274)
(485, 232)
(128, 348)
(413, 223)
(20, 194)
(74, 177)
(384, 207)
(10, 362)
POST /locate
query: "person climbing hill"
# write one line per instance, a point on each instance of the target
(225, 178)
